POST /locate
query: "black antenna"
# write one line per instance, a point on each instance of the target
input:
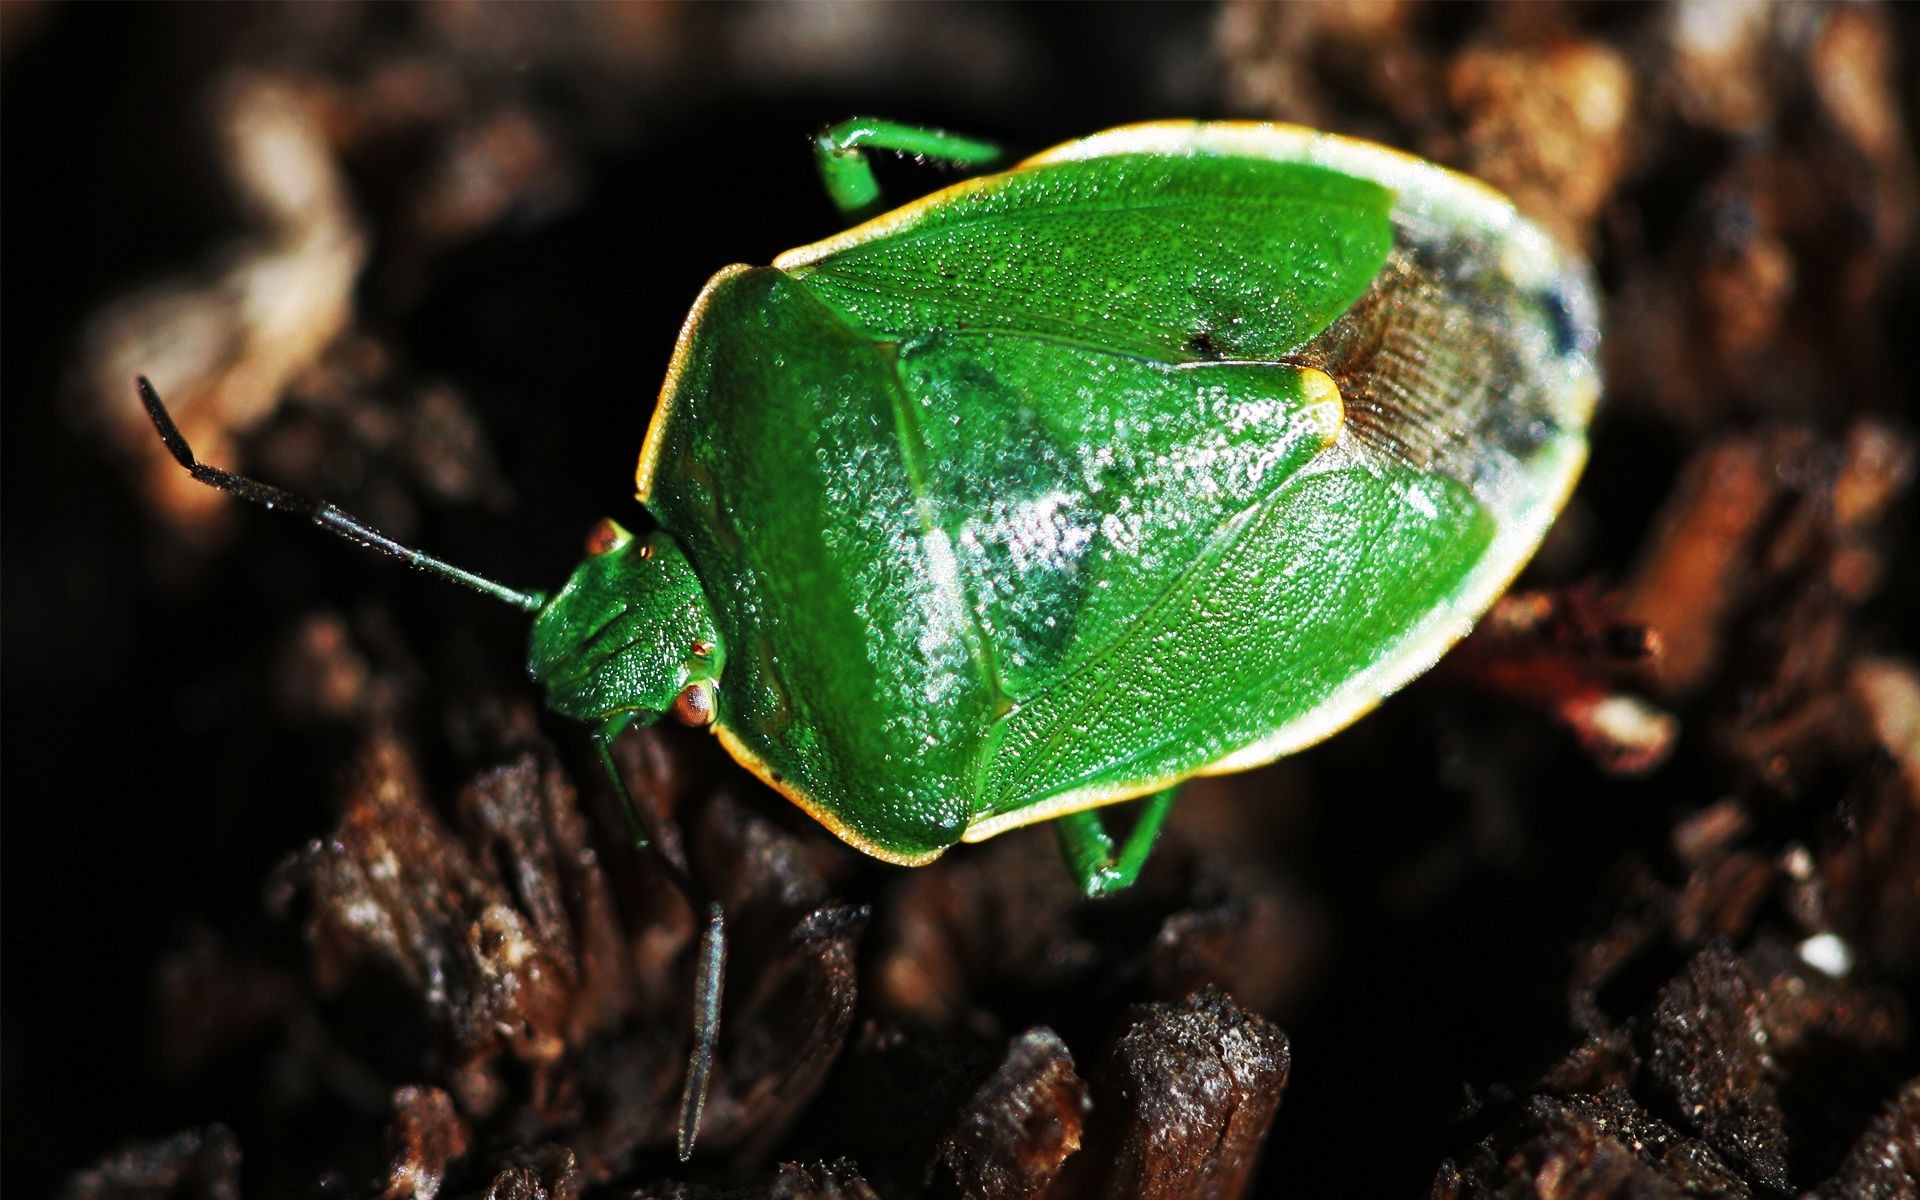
(324, 515)
(710, 963)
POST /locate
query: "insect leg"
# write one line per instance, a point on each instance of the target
(1090, 852)
(841, 152)
(710, 966)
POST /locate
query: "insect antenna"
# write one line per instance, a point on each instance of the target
(710, 964)
(320, 513)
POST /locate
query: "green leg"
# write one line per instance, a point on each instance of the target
(841, 152)
(1089, 851)
(710, 966)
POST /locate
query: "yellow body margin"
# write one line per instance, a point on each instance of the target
(649, 467)
(1254, 139)
(1067, 805)
(813, 808)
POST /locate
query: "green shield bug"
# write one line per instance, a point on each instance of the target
(1165, 453)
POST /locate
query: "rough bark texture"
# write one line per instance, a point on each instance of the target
(304, 894)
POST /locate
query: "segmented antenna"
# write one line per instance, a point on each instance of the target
(320, 513)
(711, 961)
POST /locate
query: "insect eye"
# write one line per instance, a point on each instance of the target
(605, 536)
(694, 705)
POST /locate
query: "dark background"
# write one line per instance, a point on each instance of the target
(1437, 873)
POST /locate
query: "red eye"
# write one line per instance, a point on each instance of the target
(605, 536)
(694, 705)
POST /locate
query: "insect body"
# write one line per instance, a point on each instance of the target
(1164, 453)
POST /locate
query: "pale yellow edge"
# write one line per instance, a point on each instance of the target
(1061, 806)
(644, 473)
(1271, 139)
(812, 808)
(1253, 139)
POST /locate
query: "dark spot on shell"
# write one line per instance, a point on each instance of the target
(1566, 338)
(1201, 343)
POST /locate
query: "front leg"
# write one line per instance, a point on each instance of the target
(1090, 853)
(710, 963)
(841, 152)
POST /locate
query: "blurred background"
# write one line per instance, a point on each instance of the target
(273, 807)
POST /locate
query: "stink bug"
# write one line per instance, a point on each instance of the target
(1164, 453)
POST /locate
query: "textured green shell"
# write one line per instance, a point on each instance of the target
(1167, 452)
